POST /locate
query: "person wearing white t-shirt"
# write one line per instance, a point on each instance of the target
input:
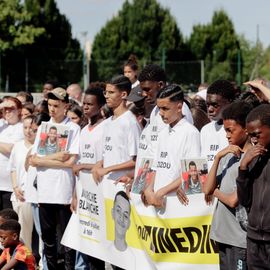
(152, 79)
(18, 176)
(90, 153)
(121, 136)
(213, 137)
(178, 140)
(91, 136)
(30, 190)
(11, 131)
(55, 182)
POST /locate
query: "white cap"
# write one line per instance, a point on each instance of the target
(202, 94)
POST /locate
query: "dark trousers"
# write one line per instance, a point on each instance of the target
(5, 200)
(231, 257)
(116, 267)
(53, 216)
(258, 254)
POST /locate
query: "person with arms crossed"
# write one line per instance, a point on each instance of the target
(11, 131)
(55, 182)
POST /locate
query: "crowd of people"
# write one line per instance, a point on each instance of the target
(135, 129)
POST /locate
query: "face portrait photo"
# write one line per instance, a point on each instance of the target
(52, 135)
(53, 138)
(194, 174)
(121, 216)
(142, 176)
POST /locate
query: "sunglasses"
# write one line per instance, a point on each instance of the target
(12, 108)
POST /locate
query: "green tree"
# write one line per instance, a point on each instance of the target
(53, 55)
(16, 32)
(263, 57)
(15, 27)
(141, 27)
(217, 44)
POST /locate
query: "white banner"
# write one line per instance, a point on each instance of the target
(127, 234)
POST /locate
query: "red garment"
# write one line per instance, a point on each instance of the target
(22, 254)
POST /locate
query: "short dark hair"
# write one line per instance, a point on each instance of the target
(9, 213)
(260, 113)
(29, 106)
(173, 92)
(123, 194)
(223, 88)
(250, 98)
(53, 127)
(11, 225)
(98, 93)
(121, 82)
(38, 118)
(53, 83)
(44, 106)
(77, 109)
(41, 117)
(238, 112)
(28, 96)
(152, 72)
(192, 163)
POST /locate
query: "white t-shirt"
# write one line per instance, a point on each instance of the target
(144, 151)
(30, 193)
(156, 125)
(135, 84)
(213, 139)
(8, 134)
(56, 185)
(3, 123)
(174, 144)
(91, 145)
(121, 141)
(16, 163)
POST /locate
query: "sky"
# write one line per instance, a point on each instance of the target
(250, 17)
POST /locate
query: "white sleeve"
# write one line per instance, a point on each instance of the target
(35, 146)
(134, 133)
(203, 141)
(74, 141)
(100, 146)
(11, 166)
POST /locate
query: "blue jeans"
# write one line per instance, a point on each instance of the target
(35, 210)
(85, 262)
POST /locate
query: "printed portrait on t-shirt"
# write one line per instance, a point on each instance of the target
(53, 138)
(194, 174)
(143, 176)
